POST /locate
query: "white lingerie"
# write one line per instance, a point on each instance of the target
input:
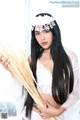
(44, 79)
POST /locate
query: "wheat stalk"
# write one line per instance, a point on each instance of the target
(19, 67)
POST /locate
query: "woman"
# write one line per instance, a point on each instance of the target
(54, 68)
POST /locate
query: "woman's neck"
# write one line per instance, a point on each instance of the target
(46, 54)
(46, 51)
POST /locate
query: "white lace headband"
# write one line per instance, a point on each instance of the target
(45, 22)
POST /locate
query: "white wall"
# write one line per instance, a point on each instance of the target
(12, 22)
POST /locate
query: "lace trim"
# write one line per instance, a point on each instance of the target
(45, 89)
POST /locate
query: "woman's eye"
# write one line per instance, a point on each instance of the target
(37, 33)
(47, 31)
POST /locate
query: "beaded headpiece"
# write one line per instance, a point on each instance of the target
(45, 22)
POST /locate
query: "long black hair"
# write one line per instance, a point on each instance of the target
(62, 76)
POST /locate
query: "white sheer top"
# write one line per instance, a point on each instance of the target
(44, 79)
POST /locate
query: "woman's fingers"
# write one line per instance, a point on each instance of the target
(5, 61)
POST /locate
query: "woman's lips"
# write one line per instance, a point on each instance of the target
(44, 43)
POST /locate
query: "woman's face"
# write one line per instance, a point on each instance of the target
(44, 38)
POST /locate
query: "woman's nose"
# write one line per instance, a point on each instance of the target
(42, 36)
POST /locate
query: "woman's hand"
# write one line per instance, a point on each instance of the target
(50, 111)
(5, 61)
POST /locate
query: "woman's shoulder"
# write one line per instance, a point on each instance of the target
(74, 58)
(71, 54)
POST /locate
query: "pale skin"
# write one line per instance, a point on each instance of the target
(51, 108)
(5, 61)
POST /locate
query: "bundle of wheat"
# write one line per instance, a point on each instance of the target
(20, 68)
